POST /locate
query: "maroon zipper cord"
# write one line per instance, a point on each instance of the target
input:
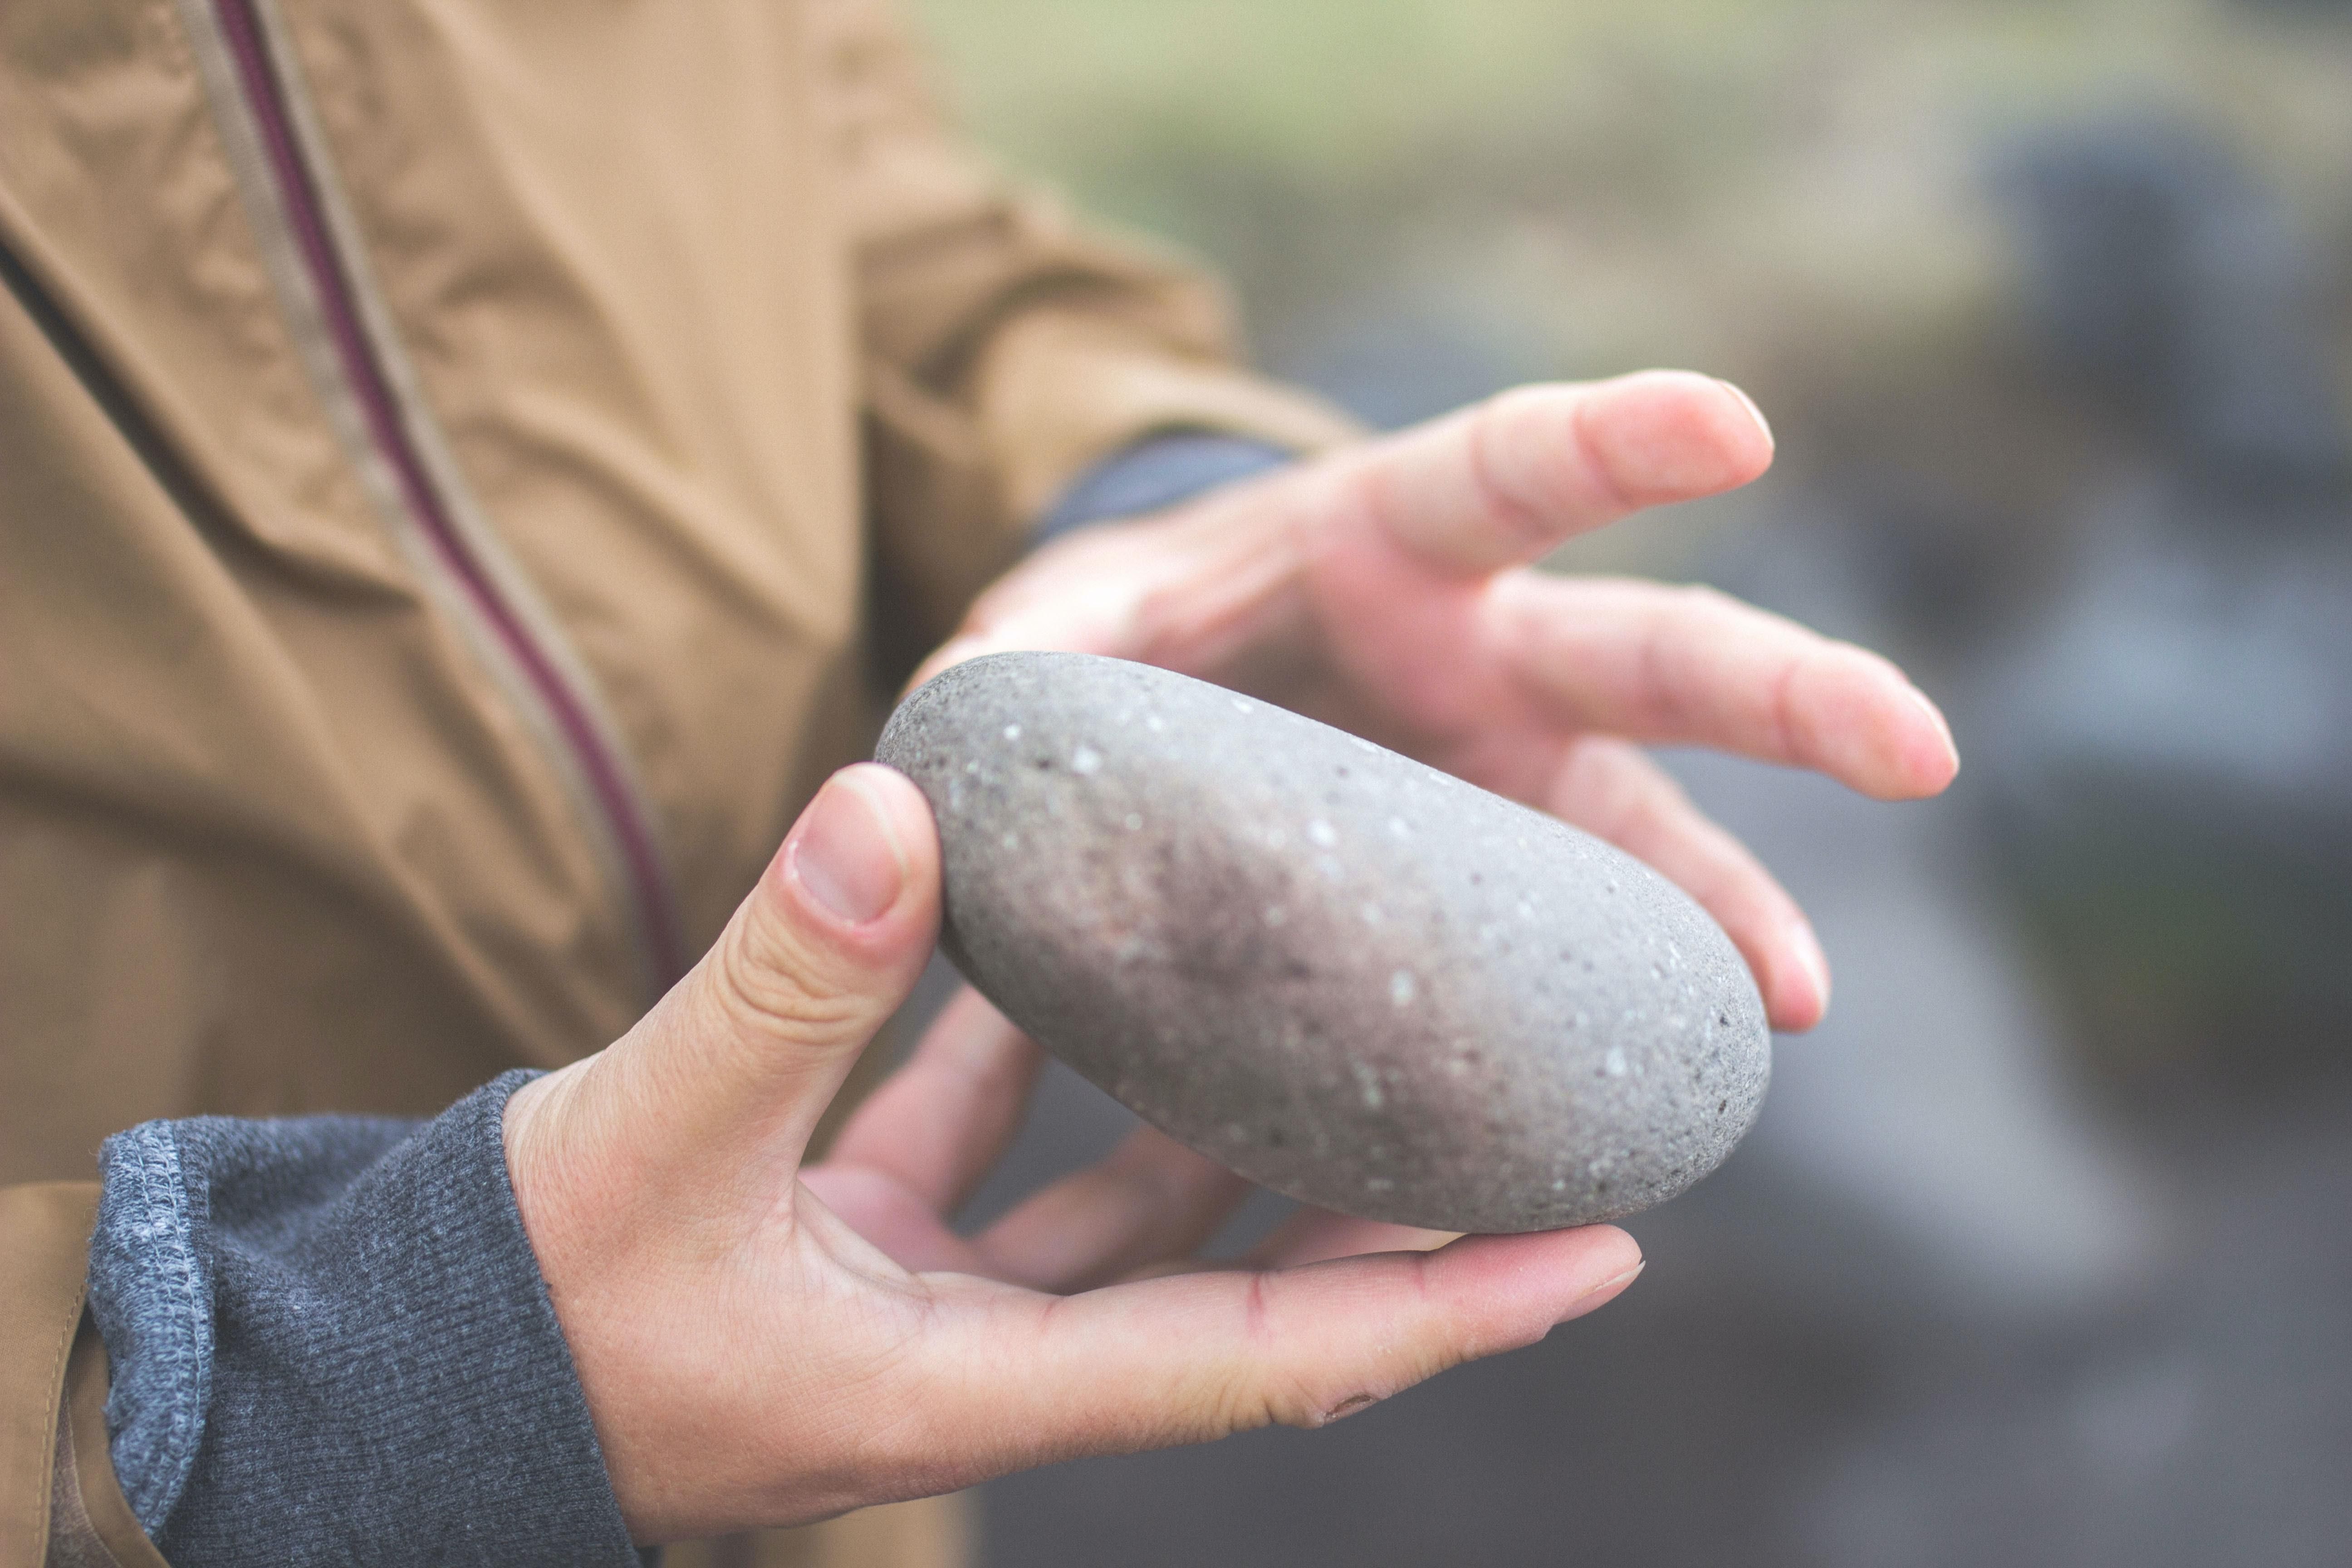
(424, 502)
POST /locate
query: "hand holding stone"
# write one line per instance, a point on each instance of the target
(1383, 589)
(764, 1346)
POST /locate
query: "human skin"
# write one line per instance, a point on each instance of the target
(763, 1343)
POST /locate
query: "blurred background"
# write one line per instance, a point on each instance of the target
(2042, 1251)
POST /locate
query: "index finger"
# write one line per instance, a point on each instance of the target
(1506, 481)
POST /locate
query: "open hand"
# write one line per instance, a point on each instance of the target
(1385, 588)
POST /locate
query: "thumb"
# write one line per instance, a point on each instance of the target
(733, 1069)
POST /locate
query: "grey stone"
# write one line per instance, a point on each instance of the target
(1348, 977)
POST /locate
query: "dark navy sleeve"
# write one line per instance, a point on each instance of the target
(1157, 471)
(329, 1342)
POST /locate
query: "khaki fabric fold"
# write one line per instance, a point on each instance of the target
(44, 1259)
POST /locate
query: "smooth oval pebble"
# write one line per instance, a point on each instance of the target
(1344, 975)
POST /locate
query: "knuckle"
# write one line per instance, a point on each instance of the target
(1248, 1399)
(1498, 438)
(769, 988)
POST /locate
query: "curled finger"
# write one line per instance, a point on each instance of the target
(938, 1124)
(1151, 1199)
(1614, 790)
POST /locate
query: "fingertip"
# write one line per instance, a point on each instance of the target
(1747, 406)
(1608, 1291)
(1800, 983)
(1616, 1260)
(1612, 1261)
(899, 796)
(1934, 756)
(1556, 1274)
(1796, 1007)
(1665, 436)
(1876, 732)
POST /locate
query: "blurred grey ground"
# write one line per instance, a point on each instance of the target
(2041, 1252)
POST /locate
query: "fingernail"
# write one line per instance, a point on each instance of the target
(1816, 963)
(1943, 725)
(1608, 1291)
(845, 855)
(1753, 412)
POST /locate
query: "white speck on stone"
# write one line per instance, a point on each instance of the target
(1559, 1184)
(1013, 731)
(1402, 988)
(1600, 1167)
(1368, 1081)
(972, 766)
(1397, 829)
(1154, 723)
(1275, 914)
(1242, 705)
(1013, 841)
(1527, 910)
(1364, 745)
(1378, 1184)
(1369, 913)
(1613, 1064)
(1322, 833)
(1134, 822)
(1086, 760)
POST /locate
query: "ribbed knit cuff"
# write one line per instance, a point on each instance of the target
(330, 1344)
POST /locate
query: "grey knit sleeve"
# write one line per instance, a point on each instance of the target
(1156, 471)
(329, 1342)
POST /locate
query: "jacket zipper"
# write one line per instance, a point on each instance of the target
(608, 783)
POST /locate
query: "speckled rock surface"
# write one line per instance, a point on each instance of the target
(1351, 977)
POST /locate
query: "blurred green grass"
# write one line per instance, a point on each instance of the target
(1789, 192)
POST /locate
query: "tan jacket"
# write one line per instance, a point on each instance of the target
(468, 471)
